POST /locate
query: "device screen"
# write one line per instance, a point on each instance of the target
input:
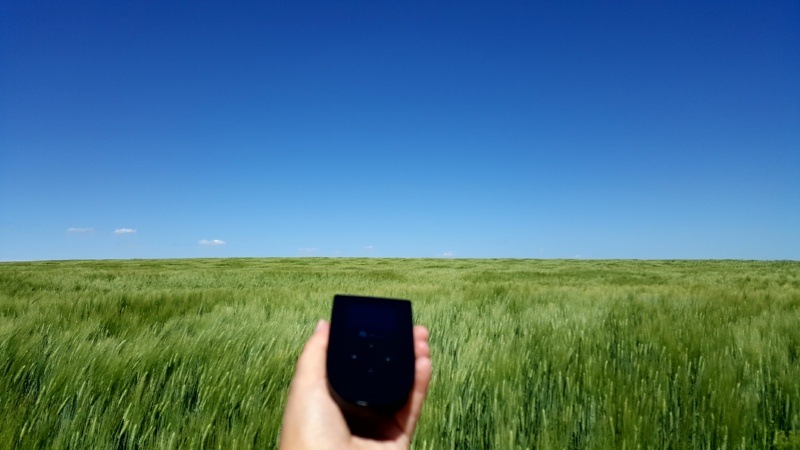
(376, 317)
(370, 358)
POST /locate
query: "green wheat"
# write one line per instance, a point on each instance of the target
(526, 353)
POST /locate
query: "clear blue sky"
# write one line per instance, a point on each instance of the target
(411, 129)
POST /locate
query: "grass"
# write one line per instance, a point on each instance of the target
(526, 353)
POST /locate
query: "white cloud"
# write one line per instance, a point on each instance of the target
(448, 254)
(307, 250)
(369, 248)
(124, 231)
(79, 230)
(211, 242)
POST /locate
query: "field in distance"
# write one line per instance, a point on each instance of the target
(526, 353)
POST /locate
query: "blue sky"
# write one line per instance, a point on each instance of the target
(400, 129)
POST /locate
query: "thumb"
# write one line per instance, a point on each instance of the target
(311, 364)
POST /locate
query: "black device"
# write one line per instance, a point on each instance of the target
(370, 360)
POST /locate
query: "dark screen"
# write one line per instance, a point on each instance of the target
(376, 317)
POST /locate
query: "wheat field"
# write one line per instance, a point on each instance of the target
(140, 354)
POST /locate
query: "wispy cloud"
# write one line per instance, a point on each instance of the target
(307, 250)
(78, 230)
(124, 231)
(448, 254)
(211, 242)
(369, 248)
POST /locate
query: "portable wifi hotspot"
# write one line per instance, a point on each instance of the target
(370, 358)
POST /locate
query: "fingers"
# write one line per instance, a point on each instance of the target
(422, 367)
(421, 348)
(311, 364)
(422, 379)
(408, 416)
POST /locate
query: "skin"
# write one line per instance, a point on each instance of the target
(312, 420)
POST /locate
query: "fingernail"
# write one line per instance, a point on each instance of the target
(319, 325)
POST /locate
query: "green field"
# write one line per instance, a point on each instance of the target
(526, 353)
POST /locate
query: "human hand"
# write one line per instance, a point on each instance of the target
(313, 420)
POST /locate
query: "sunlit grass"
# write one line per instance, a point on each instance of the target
(526, 353)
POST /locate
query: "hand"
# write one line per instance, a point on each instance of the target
(313, 420)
